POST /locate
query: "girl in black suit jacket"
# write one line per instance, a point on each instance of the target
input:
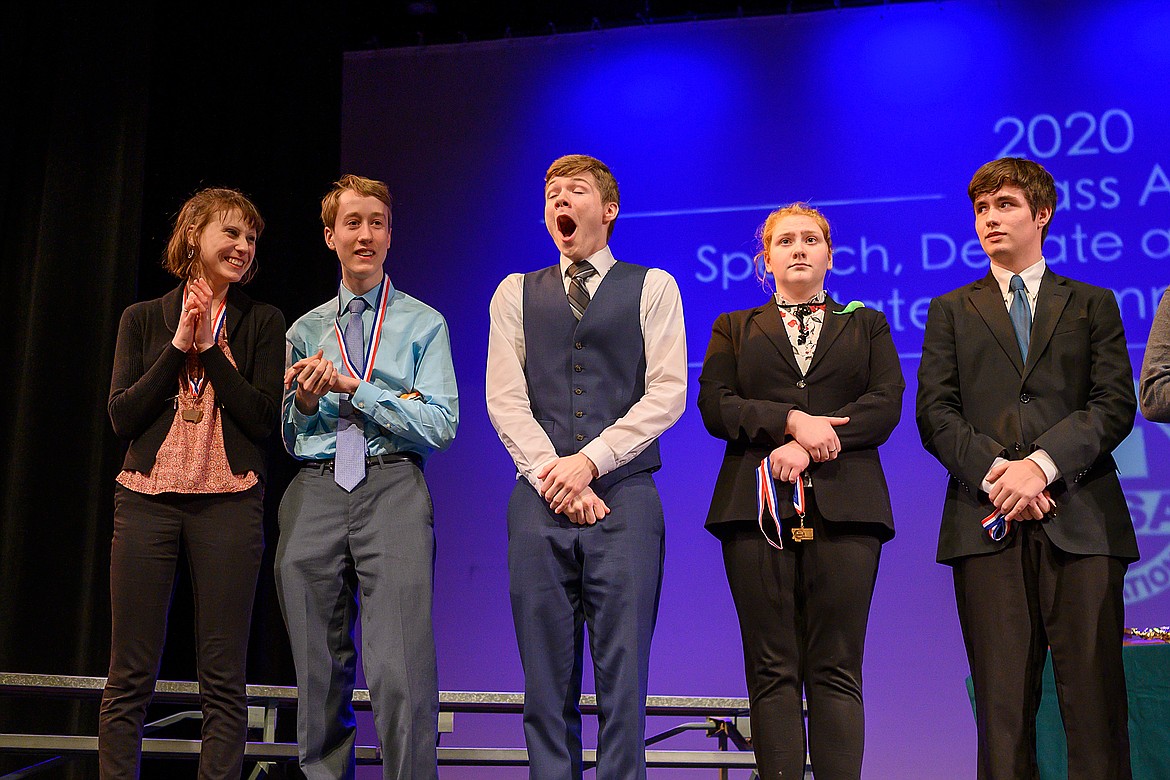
(195, 392)
(814, 388)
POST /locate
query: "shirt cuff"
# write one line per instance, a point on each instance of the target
(1040, 458)
(301, 421)
(367, 397)
(1046, 464)
(601, 455)
(531, 475)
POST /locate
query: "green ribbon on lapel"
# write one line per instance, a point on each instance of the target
(851, 307)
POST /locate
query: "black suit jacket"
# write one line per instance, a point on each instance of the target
(1074, 399)
(146, 378)
(750, 382)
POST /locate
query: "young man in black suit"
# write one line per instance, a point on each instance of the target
(1024, 390)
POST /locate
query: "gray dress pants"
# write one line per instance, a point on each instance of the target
(377, 541)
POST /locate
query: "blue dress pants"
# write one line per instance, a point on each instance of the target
(564, 578)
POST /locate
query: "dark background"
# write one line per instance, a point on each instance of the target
(112, 116)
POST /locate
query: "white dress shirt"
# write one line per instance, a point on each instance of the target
(664, 337)
(1031, 276)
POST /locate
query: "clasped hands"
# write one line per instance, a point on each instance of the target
(564, 484)
(1018, 490)
(195, 319)
(814, 439)
(316, 375)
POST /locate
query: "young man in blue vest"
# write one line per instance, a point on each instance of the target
(586, 369)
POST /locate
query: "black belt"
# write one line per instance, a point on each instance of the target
(371, 460)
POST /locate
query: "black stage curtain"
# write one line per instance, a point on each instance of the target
(112, 118)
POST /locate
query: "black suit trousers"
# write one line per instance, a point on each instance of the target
(224, 537)
(1015, 603)
(803, 613)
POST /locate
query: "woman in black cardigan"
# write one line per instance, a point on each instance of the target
(195, 391)
(808, 388)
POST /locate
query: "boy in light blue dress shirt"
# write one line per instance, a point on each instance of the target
(370, 394)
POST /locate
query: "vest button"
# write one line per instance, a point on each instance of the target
(580, 437)
(578, 368)
(579, 345)
(580, 414)
(801, 384)
(578, 390)
(1025, 398)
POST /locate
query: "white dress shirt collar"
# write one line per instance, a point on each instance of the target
(602, 260)
(1031, 276)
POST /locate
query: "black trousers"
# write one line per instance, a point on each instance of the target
(1015, 603)
(224, 537)
(803, 613)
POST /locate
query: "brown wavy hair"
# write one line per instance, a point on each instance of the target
(197, 212)
(1031, 177)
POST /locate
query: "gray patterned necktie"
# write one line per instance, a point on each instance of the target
(578, 293)
(349, 464)
(1021, 314)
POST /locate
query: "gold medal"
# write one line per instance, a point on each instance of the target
(192, 415)
(802, 534)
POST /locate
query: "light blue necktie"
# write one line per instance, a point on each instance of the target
(349, 464)
(1021, 314)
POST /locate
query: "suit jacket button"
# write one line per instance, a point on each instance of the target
(579, 345)
(580, 437)
(580, 414)
(801, 384)
(1025, 398)
(578, 390)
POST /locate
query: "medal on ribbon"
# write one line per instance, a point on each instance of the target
(195, 383)
(801, 534)
(767, 503)
(372, 342)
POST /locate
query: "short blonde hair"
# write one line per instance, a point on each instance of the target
(197, 212)
(367, 188)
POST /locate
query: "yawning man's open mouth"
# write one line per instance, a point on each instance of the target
(566, 225)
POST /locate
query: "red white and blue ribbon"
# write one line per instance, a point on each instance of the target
(798, 496)
(371, 343)
(196, 383)
(997, 526)
(767, 503)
